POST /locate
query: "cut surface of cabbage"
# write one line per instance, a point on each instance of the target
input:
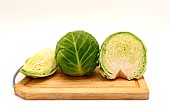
(122, 55)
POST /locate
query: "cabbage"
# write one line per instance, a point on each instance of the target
(122, 55)
(77, 53)
(41, 64)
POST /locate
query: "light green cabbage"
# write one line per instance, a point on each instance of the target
(122, 55)
(41, 64)
(77, 53)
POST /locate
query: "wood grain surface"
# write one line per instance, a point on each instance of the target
(61, 86)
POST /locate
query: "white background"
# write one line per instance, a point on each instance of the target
(27, 26)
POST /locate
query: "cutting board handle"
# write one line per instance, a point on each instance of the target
(15, 75)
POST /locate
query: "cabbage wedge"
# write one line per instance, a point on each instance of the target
(42, 64)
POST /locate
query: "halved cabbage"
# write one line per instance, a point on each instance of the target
(41, 64)
(77, 53)
(122, 55)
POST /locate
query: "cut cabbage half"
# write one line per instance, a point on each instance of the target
(122, 55)
(41, 64)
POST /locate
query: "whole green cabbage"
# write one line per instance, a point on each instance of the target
(77, 53)
(122, 55)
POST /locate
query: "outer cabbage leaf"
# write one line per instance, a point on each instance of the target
(77, 53)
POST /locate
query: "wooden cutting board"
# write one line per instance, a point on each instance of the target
(61, 86)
